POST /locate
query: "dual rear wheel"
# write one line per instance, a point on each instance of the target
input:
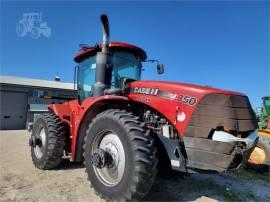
(119, 152)
(47, 141)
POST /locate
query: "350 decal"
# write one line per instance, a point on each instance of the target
(188, 100)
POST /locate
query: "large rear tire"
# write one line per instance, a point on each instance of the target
(132, 168)
(47, 141)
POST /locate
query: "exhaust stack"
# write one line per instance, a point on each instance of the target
(104, 64)
(106, 33)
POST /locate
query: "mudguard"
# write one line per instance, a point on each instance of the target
(74, 114)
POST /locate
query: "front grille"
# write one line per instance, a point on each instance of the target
(219, 111)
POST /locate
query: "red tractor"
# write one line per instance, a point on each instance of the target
(124, 129)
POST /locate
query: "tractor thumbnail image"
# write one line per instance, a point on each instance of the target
(32, 23)
(126, 129)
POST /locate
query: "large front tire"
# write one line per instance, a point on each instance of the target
(131, 171)
(47, 141)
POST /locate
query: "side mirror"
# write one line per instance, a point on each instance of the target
(160, 68)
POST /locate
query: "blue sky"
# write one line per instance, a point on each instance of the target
(220, 44)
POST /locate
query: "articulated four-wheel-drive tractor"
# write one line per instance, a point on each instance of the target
(124, 129)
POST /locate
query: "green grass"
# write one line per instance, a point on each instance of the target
(251, 196)
(202, 185)
(231, 196)
(251, 175)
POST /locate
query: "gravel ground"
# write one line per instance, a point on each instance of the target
(20, 181)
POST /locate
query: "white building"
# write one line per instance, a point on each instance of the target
(21, 98)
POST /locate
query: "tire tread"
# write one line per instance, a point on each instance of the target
(143, 147)
(56, 142)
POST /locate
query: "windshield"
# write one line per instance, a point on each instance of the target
(125, 64)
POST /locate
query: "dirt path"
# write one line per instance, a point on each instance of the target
(20, 181)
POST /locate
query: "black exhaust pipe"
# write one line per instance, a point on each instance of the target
(106, 33)
(104, 64)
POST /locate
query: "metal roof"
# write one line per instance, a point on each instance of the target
(22, 81)
(114, 46)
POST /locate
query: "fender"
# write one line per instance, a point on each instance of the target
(75, 115)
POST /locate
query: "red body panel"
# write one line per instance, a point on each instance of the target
(168, 107)
(76, 112)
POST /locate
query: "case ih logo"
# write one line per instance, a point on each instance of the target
(146, 91)
(185, 99)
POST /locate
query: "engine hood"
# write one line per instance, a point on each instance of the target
(176, 87)
(178, 101)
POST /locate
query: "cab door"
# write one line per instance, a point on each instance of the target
(86, 78)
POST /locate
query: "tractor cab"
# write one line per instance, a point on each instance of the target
(126, 65)
(106, 69)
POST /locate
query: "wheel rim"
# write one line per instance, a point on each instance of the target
(112, 174)
(40, 149)
(258, 156)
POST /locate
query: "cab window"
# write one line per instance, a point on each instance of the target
(125, 64)
(86, 77)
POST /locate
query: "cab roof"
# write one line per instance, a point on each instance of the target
(114, 46)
